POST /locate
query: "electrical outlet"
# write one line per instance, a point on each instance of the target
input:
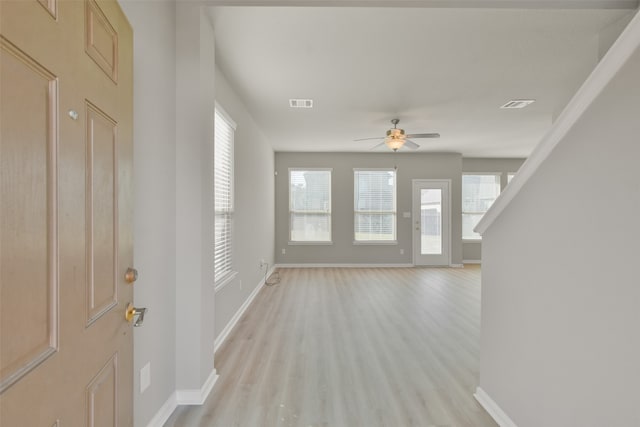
(145, 377)
(401, 251)
(284, 251)
(262, 263)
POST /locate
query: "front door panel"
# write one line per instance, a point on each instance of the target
(65, 214)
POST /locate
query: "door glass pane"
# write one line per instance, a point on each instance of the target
(431, 221)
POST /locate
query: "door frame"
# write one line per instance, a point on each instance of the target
(415, 241)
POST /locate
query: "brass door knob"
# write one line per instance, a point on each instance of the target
(131, 275)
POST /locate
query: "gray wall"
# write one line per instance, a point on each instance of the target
(254, 205)
(410, 166)
(195, 103)
(473, 250)
(175, 85)
(154, 176)
(560, 340)
(174, 70)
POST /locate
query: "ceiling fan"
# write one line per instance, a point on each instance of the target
(396, 138)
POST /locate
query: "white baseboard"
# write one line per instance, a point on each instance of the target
(456, 265)
(498, 415)
(322, 265)
(472, 261)
(183, 397)
(236, 317)
(164, 412)
(197, 396)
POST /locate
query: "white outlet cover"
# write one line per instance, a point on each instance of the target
(406, 214)
(145, 377)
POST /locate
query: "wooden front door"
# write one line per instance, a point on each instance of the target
(65, 213)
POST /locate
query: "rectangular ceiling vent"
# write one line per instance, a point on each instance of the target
(301, 103)
(518, 103)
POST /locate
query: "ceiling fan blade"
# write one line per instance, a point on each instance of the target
(424, 135)
(368, 139)
(410, 144)
(377, 146)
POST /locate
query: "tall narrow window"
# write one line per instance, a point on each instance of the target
(223, 195)
(310, 205)
(374, 205)
(478, 194)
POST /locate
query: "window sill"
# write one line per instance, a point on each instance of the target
(310, 243)
(374, 242)
(471, 240)
(224, 281)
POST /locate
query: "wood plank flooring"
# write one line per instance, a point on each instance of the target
(352, 347)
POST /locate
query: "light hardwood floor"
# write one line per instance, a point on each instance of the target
(352, 347)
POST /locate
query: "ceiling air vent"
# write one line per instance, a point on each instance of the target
(301, 103)
(518, 103)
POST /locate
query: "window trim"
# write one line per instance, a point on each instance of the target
(292, 242)
(309, 242)
(499, 181)
(230, 274)
(357, 242)
(375, 242)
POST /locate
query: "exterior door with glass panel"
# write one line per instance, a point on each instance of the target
(431, 222)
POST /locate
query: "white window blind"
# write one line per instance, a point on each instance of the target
(310, 205)
(374, 205)
(223, 195)
(478, 194)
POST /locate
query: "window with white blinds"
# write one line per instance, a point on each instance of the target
(374, 205)
(223, 195)
(310, 205)
(478, 194)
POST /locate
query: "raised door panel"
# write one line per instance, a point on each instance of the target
(102, 396)
(101, 212)
(28, 226)
(101, 40)
(51, 6)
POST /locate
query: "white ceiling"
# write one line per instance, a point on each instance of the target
(437, 70)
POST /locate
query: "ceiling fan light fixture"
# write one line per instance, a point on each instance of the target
(395, 133)
(394, 143)
(396, 138)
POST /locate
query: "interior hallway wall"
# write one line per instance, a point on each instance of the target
(154, 176)
(253, 224)
(195, 106)
(560, 340)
